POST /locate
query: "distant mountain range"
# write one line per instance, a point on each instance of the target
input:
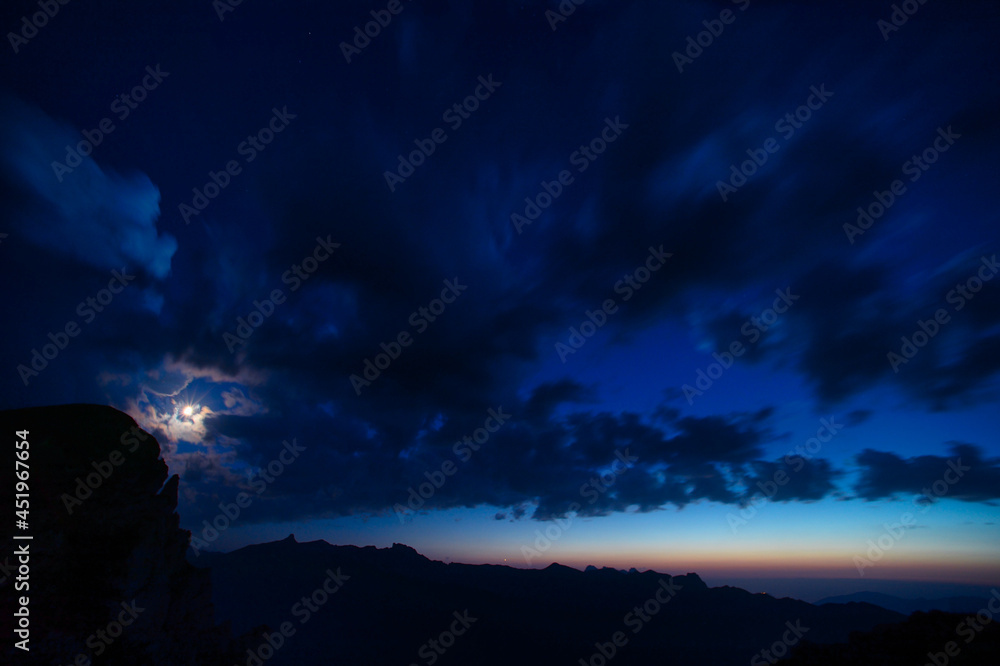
(909, 606)
(394, 601)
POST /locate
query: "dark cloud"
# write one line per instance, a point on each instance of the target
(716, 439)
(547, 397)
(965, 475)
(596, 462)
(794, 478)
(849, 326)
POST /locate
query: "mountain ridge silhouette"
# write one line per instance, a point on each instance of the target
(562, 611)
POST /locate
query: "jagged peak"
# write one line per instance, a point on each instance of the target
(404, 552)
(555, 566)
(694, 580)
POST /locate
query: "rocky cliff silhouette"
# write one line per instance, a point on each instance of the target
(108, 582)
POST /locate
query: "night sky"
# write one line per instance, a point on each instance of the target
(695, 286)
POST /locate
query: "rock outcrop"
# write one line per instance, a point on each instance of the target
(107, 574)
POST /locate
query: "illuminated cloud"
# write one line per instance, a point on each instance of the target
(94, 215)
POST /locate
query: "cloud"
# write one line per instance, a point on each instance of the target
(546, 464)
(548, 396)
(965, 475)
(805, 480)
(92, 214)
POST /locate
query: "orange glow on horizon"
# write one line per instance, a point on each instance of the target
(806, 563)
